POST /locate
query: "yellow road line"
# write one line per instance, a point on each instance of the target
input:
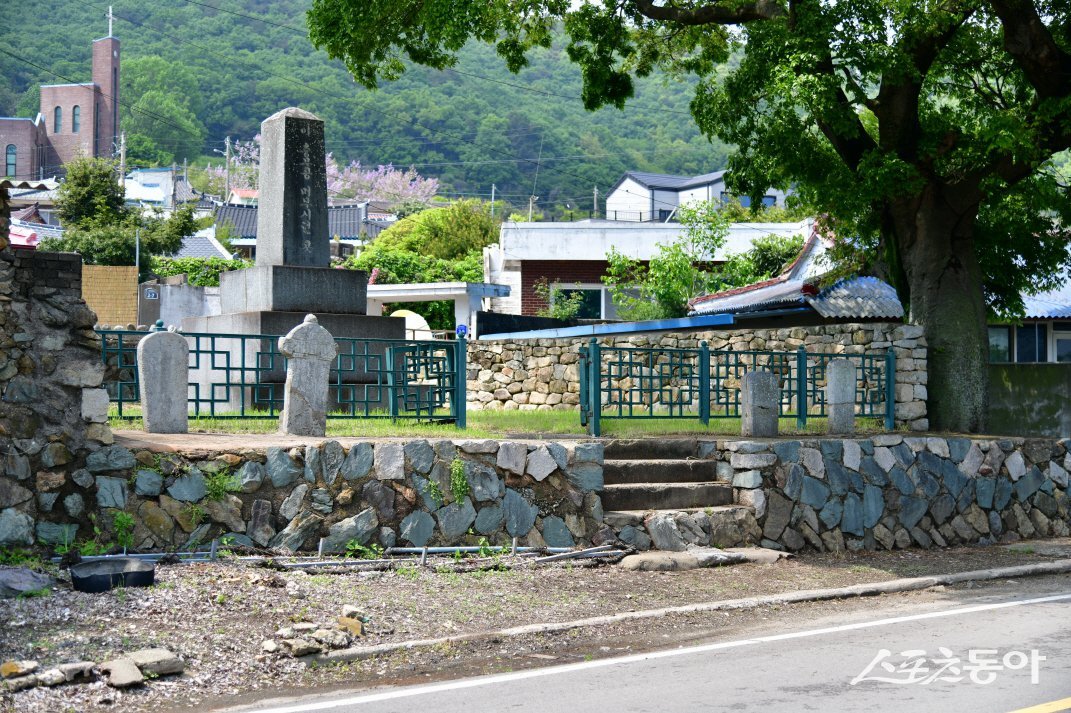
(1053, 707)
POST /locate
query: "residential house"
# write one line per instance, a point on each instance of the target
(655, 197)
(796, 297)
(162, 188)
(574, 256)
(243, 196)
(1044, 334)
(40, 195)
(75, 120)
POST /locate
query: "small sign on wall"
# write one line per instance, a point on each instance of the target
(151, 293)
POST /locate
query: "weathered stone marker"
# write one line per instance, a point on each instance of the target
(293, 275)
(840, 396)
(163, 373)
(292, 212)
(760, 396)
(309, 349)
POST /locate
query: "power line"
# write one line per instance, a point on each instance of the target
(370, 108)
(305, 32)
(149, 114)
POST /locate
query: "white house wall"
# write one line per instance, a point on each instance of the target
(629, 197)
(592, 240)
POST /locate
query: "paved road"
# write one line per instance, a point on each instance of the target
(809, 668)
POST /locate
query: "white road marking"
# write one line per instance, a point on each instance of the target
(423, 690)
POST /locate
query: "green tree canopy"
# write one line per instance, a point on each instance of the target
(450, 232)
(924, 130)
(683, 269)
(435, 245)
(90, 194)
(102, 229)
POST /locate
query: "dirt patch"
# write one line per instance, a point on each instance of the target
(216, 616)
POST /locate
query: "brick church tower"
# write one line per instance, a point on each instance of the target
(75, 120)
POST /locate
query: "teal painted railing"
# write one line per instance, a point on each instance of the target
(234, 376)
(671, 383)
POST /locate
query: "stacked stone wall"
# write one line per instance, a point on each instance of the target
(53, 411)
(543, 374)
(385, 493)
(887, 492)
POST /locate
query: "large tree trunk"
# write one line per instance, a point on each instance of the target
(934, 236)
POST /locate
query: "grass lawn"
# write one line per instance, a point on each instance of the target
(498, 424)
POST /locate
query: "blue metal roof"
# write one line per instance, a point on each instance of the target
(612, 328)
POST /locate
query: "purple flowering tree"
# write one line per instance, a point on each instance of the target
(383, 184)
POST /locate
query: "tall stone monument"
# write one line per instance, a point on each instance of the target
(292, 276)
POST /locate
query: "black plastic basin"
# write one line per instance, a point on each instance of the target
(102, 575)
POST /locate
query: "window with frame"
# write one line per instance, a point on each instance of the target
(590, 304)
(76, 119)
(11, 160)
(1061, 337)
(1032, 343)
(1000, 345)
(57, 120)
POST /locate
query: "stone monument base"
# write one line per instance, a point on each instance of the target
(289, 288)
(368, 362)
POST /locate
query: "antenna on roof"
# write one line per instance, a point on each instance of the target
(110, 18)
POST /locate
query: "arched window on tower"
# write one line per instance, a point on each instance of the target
(76, 119)
(10, 164)
(57, 120)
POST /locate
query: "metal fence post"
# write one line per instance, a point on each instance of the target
(704, 383)
(596, 387)
(890, 389)
(801, 388)
(460, 406)
(585, 372)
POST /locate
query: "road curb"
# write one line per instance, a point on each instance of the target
(893, 586)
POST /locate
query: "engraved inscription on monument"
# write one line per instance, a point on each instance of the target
(292, 212)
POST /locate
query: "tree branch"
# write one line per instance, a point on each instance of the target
(711, 14)
(1026, 38)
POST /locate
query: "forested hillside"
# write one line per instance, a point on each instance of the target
(220, 74)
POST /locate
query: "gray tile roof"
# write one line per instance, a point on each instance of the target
(851, 298)
(345, 221)
(863, 297)
(199, 245)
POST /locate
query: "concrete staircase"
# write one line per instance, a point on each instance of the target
(665, 493)
(661, 474)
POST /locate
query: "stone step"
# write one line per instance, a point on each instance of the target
(726, 526)
(666, 496)
(615, 472)
(619, 518)
(652, 449)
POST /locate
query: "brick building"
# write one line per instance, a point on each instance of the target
(74, 120)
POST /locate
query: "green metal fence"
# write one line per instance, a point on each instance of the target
(234, 376)
(671, 383)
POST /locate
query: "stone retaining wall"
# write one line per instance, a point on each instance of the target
(53, 411)
(889, 491)
(542, 374)
(390, 493)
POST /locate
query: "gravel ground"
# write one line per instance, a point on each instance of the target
(215, 616)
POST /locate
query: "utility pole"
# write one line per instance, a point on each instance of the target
(185, 171)
(492, 201)
(227, 159)
(595, 204)
(122, 158)
(531, 205)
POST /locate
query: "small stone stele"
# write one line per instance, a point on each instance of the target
(840, 396)
(310, 349)
(163, 373)
(760, 396)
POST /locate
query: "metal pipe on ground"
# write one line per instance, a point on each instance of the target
(452, 550)
(572, 554)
